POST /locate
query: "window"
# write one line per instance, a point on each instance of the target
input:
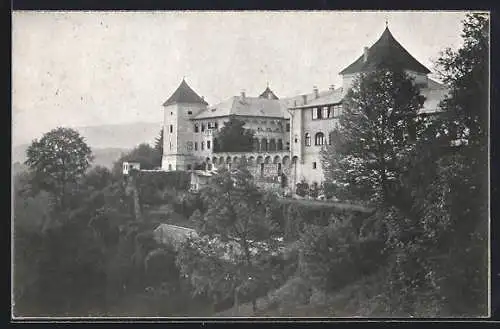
(190, 112)
(337, 110)
(202, 145)
(319, 139)
(314, 165)
(170, 145)
(331, 113)
(268, 129)
(326, 112)
(330, 139)
(196, 146)
(308, 139)
(280, 144)
(196, 128)
(202, 127)
(188, 167)
(287, 127)
(296, 140)
(216, 125)
(171, 113)
(272, 145)
(317, 114)
(264, 145)
(288, 146)
(208, 144)
(256, 144)
(171, 128)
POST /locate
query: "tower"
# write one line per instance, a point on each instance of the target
(385, 53)
(184, 104)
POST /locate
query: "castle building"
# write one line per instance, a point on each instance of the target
(289, 132)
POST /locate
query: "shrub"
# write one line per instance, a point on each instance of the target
(153, 185)
(335, 255)
(302, 189)
(314, 190)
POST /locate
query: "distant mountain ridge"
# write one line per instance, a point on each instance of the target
(102, 156)
(120, 135)
(108, 142)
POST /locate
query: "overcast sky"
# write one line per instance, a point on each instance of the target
(93, 68)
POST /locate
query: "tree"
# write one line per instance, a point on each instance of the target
(233, 137)
(58, 159)
(465, 71)
(335, 255)
(446, 188)
(447, 185)
(238, 235)
(159, 145)
(147, 156)
(370, 148)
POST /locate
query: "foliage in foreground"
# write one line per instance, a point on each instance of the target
(238, 240)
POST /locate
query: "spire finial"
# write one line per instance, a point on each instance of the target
(268, 84)
(386, 22)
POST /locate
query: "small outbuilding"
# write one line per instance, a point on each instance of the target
(128, 166)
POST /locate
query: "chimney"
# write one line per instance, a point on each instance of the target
(316, 92)
(243, 94)
(366, 54)
(304, 99)
(332, 87)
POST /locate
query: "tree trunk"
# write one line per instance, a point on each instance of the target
(135, 196)
(236, 302)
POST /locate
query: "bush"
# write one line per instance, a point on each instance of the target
(337, 254)
(314, 190)
(302, 189)
(157, 187)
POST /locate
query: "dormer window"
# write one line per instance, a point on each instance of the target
(196, 128)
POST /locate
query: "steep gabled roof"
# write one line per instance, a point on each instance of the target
(268, 94)
(386, 53)
(184, 94)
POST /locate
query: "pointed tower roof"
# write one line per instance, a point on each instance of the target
(386, 53)
(268, 94)
(184, 94)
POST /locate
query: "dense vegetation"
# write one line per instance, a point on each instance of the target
(233, 137)
(416, 247)
(426, 177)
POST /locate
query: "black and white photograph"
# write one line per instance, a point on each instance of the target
(250, 164)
